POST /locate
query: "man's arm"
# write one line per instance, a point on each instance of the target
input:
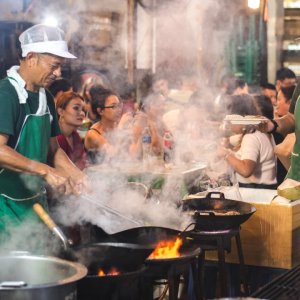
(59, 160)
(13, 161)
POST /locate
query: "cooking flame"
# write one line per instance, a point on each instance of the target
(112, 272)
(167, 249)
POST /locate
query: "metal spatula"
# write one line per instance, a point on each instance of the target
(111, 210)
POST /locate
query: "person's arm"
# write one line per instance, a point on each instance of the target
(13, 161)
(244, 167)
(156, 139)
(286, 125)
(80, 183)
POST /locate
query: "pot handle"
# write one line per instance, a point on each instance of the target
(221, 195)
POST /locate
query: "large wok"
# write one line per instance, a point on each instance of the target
(147, 236)
(122, 256)
(212, 222)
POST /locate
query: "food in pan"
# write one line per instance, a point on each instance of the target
(289, 189)
(216, 213)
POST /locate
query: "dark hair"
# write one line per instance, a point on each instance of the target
(150, 99)
(125, 90)
(244, 106)
(99, 95)
(284, 73)
(198, 101)
(269, 86)
(158, 76)
(229, 79)
(288, 92)
(240, 83)
(65, 98)
(60, 84)
(264, 105)
(241, 105)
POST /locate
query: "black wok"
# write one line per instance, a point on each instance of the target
(149, 235)
(211, 222)
(122, 256)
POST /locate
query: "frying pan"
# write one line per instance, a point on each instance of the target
(122, 256)
(211, 222)
(148, 236)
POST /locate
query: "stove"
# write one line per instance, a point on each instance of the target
(171, 269)
(115, 287)
(221, 242)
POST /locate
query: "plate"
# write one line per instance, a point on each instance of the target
(245, 121)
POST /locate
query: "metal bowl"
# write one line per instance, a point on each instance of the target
(38, 277)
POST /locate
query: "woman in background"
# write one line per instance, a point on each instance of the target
(106, 138)
(69, 107)
(87, 97)
(253, 158)
(284, 99)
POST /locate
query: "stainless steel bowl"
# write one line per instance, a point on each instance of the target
(38, 277)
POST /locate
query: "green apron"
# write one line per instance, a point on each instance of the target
(18, 192)
(294, 171)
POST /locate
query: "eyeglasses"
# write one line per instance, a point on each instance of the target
(115, 106)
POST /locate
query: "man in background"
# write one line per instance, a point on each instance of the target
(59, 86)
(269, 90)
(241, 87)
(178, 99)
(284, 78)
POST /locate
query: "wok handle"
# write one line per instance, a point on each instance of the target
(221, 195)
(51, 225)
(44, 216)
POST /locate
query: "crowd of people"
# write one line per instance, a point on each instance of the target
(115, 121)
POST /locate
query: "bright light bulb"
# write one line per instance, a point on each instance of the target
(50, 21)
(253, 3)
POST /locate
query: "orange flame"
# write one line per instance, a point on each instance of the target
(112, 272)
(167, 249)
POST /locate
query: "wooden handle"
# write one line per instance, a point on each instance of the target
(44, 216)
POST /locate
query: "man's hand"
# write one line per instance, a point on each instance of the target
(81, 184)
(265, 126)
(59, 181)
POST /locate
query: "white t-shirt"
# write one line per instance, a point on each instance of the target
(258, 147)
(172, 120)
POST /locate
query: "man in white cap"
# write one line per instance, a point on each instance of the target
(28, 130)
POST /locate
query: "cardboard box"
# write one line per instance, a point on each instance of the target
(271, 237)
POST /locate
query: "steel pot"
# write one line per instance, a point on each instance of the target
(29, 277)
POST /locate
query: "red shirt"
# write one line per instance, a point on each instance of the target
(77, 154)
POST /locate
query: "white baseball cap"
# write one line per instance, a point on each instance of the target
(43, 38)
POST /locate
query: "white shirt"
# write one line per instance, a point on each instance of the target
(259, 148)
(172, 120)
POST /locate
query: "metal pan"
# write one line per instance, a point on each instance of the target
(211, 222)
(149, 235)
(122, 256)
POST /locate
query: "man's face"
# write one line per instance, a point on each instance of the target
(271, 94)
(46, 69)
(285, 83)
(161, 86)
